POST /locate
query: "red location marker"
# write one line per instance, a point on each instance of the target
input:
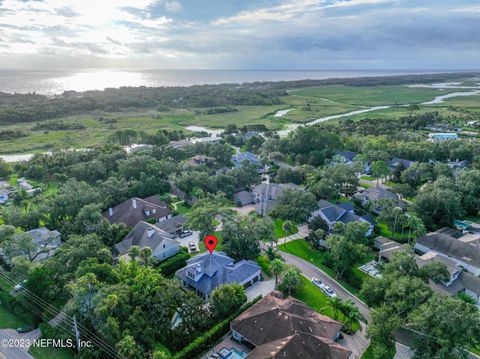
(210, 243)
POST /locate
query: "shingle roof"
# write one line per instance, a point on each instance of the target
(394, 162)
(300, 346)
(273, 318)
(243, 197)
(450, 242)
(349, 155)
(171, 225)
(133, 210)
(216, 269)
(143, 235)
(335, 213)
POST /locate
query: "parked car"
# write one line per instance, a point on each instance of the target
(193, 247)
(328, 291)
(318, 283)
(20, 286)
(185, 234)
(25, 329)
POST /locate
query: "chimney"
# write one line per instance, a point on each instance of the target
(134, 202)
(110, 211)
(150, 233)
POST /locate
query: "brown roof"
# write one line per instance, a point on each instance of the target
(136, 209)
(301, 346)
(273, 318)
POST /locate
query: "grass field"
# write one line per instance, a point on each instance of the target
(306, 104)
(280, 232)
(219, 246)
(51, 353)
(304, 250)
(9, 319)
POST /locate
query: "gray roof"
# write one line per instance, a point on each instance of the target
(349, 155)
(453, 243)
(394, 162)
(172, 225)
(135, 209)
(143, 235)
(273, 190)
(243, 197)
(213, 270)
(335, 213)
(43, 235)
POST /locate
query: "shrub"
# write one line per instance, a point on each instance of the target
(206, 340)
(172, 264)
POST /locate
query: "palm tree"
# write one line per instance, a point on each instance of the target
(276, 268)
(288, 228)
(335, 304)
(272, 253)
(415, 226)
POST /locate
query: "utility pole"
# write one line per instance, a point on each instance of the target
(77, 335)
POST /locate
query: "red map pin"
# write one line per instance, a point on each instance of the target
(210, 243)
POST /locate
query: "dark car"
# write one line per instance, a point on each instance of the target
(25, 329)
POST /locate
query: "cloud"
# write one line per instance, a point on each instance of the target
(67, 12)
(173, 6)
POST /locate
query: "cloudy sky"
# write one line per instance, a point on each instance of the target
(240, 34)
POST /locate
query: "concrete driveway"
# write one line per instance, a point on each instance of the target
(194, 237)
(260, 288)
(13, 352)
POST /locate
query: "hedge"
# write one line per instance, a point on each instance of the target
(207, 339)
(172, 264)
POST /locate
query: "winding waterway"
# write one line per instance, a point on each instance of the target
(289, 128)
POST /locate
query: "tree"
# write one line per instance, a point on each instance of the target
(380, 169)
(134, 252)
(294, 205)
(450, 327)
(241, 237)
(290, 279)
(5, 169)
(276, 268)
(227, 298)
(380, 331)
(344, 253)
(202, 215)
(146, 255)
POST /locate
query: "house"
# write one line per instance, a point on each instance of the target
(243, 198)
(345, 156)
(239, 158)
(459, 280)
(200, 160)
(27, 187)
(179, 144)
(206, 271)
(468, 226)
(208, 140)
(461, 247)
(143, 234)
(5, 190)
(442, 136)
(344, 212)
(376, 193)
(266, 194)
(173, 225)
(46, 241)
(287, 328)
(457, 166)
(386, 248)
(399, 162)
(136, 209)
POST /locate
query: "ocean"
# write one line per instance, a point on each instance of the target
(57, 81)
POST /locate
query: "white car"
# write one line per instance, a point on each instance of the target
(318, 283)
(20, 286)
(328, 291)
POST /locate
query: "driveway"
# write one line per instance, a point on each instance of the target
(357, 342)
(309, 270)
(13, 352)
(194, 237)
(243, 211)
(303, 232)
(260, 288)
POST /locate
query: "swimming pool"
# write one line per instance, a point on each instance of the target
(232, 353)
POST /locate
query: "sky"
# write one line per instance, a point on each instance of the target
(240, 34)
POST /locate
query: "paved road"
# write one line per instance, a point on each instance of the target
(310, 271)
(12, 353)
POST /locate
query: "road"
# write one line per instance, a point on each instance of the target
(310, 271)
(12, 353)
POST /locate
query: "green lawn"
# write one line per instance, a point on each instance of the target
(219, 246)
(383, 230)
(51, 353)
(368, 354)
(280, 232)
(308, 293)
(9, 319)
(264, 263)
(182, 208)
(304, 250)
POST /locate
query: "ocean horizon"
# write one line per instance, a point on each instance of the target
(54, 82)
